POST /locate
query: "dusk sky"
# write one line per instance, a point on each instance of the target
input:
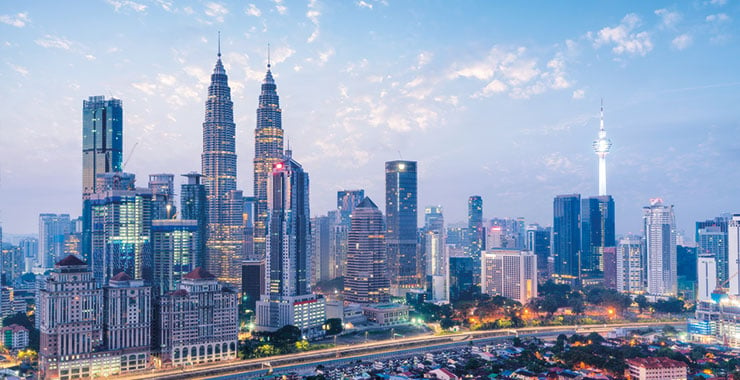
(499, 99)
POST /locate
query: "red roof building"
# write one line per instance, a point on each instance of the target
(656, 369)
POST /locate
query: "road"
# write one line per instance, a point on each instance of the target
(243, 369)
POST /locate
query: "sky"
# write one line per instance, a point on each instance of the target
(498, 99)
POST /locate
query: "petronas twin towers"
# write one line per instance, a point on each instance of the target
(225, 241)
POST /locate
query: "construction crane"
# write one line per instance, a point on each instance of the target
(128, 157)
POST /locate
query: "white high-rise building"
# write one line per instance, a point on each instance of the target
(509, 273)
(660, 246)
(733, 250)
(706, 268)
(602, 145)
(630, 265)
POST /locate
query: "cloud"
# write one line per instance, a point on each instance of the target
(166, 5)
(252, 10)
(19, 69)
(55, 42)
(579, 94)
(624, 37)
(718, 18)
(423, 59)
(325, 55)
(167, 79)
(127, 5)
(281, 54)
(147, 88)
(513, 71)
(19, 20)
(216, 11)
(682, 42)
(363, 4)
(718, 2)
(670, 18)
(313, 15)
(279, 7)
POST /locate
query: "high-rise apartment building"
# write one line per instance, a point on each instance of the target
(102, 151)
(597, 233)
(733, 250)
(509, 273)
(367, 271)
(194, 206)
(224, 251)
(162, 188)
(476, 234)
(436, 262)
(321, 258)
(268, 150)
(127, 320)
(52, 230)
(121, 225)
(706, 275)
(401, 224)
(660, 245)
(288, 299)
(537, 241)
(566, 236)
(198, 322)
(173, 248)
(347, 200)
(631, 267)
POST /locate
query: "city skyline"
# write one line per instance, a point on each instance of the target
(351, 105)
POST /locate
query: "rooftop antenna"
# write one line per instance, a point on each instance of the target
(399, 155)
(268, 56)
(219, 44)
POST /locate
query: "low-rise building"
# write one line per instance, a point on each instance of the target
(387, 314)
(15, 337)
(656, 369)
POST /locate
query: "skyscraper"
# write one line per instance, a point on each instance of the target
(476, 233)
(288, 299)
(631, 267)
(706, 277)
(566, 236)
(537, 240)
(367, 280)
(162, 187)
(401, 223)
(321, 260)
(660, 244)
(52, 229)
(194, 206)
(733, 245)
(268, 150)
(340, 224)
(597, 233)
(225, 230)
(436, 262)
(601, 146)
(509, 273)
(102, 150)
(173, 252)
(711, 238)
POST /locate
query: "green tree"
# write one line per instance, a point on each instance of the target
(642, 302)
(333, 326)
(285, 337)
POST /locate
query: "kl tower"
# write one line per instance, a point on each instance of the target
(601, 146)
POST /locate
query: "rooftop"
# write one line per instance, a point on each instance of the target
(71, 260)
(656, 363)
(199, 274)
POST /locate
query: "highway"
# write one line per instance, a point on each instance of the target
(253, 368)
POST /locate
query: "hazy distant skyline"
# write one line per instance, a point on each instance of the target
(491, 98)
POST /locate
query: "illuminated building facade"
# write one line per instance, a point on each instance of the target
(102, 152)
(194, 206)
(566, 236)
(476, 234)
(366, 280)
(401, 226)
(173, 248)
(509, 273)
(288, 299)
(660, 245)
(52, 230)
(631, 274)
(597, 233)
(225, 230)
(347, 200)
(436, 262)
(268, 150)
(733, 245)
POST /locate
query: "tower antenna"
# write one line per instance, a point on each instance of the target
(268, 55)
(219, 44)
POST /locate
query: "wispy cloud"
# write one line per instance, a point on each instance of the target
(216, 11)
(682, 42)
(280, 7)
(119, 5)
(19, 69)
(281, 53)
(313, 15)
(624, 38)
(579, 94)
(55, 42)
(363, 4)
(718, 18)
(19, 20)
(252, 10)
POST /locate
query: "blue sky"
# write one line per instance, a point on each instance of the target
(499, 99)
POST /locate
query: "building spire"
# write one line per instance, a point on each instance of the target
(601, 125)
(268, 56)
(219, 44)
